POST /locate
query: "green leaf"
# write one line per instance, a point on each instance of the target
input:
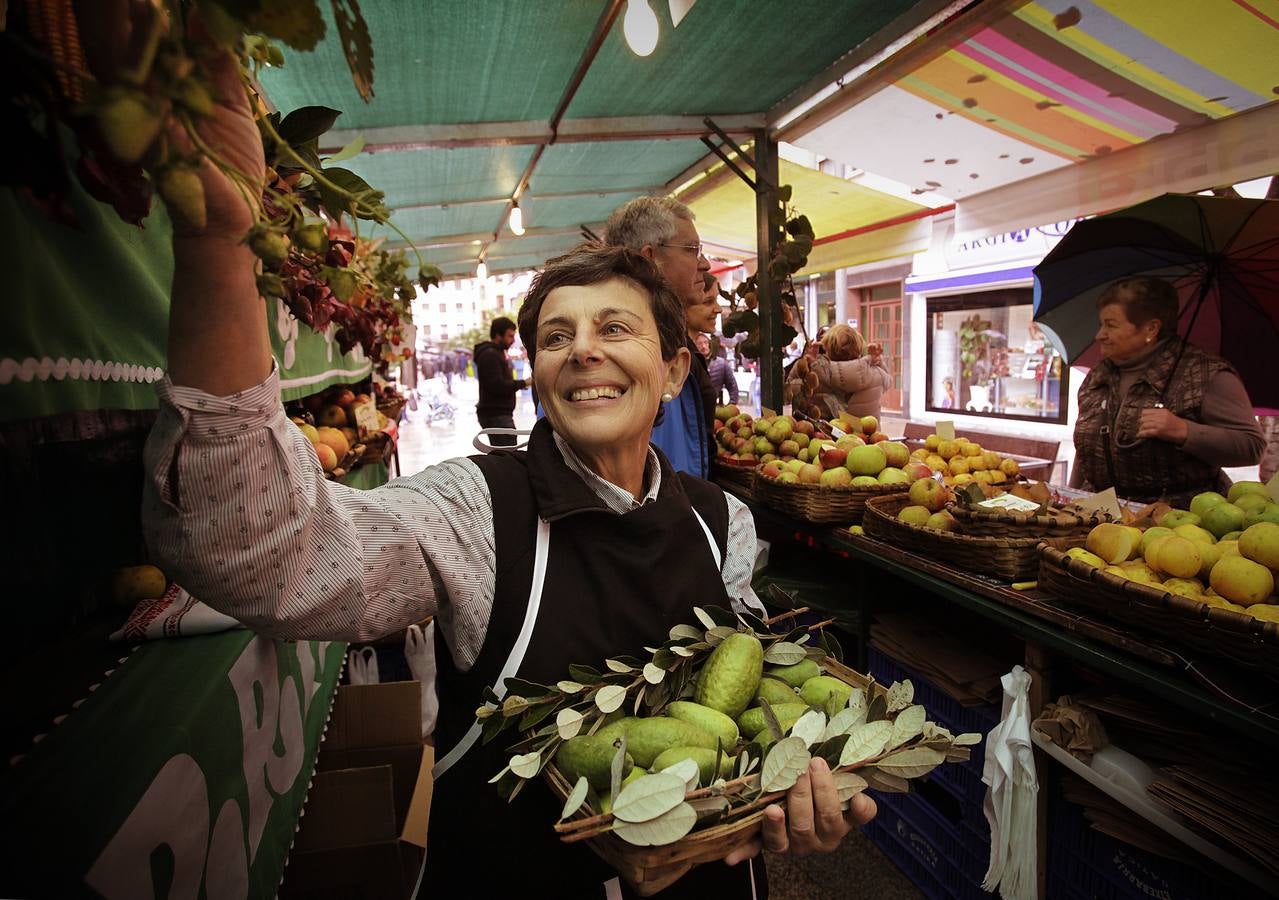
(569, 723)
(809, 727)
(569, 687)
(665, 829)
(968, 739)
(530, 689)
(357, 46)
(908, 724)
(354, 187)
(848, 785)
(845, 720)
(539, 712)
(583, 674)
(648, 797)
(788, 759)
(899, 695)
(688, 770)
(684, 632)
(831, 749)
(830, 644)
(911, 763)
(575, 799)
(784, 653)
(610, 697)
(878, 710)
(784, 193)
(866, 741)
(307, 124)
(297, 23)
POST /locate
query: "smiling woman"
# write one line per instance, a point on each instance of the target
(605, 334)
(584, 545)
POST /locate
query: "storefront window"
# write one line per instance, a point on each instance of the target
(986, 357)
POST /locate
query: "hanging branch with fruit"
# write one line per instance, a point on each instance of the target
(793, 242)
(123, 100)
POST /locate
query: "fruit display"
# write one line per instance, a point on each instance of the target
(718, 722)
(808, 456)
(742, 439)
(961, 462)
(1223, 551)
(329, 422)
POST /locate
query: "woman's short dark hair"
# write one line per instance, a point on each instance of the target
(594, 263)
(1144, 298)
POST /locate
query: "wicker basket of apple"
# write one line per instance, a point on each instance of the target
(831, 479)
(744, 443)
(1203, 577)
(926, 520)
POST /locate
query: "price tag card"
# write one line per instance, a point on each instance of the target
(1010, 502)
(366, 421)
(946, 430)
(1107, 501)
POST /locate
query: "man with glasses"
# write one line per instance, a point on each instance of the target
(662, 229)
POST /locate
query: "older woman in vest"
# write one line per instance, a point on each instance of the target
(1158, 420)
(585, 545)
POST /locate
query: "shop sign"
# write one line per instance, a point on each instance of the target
(1010, 246)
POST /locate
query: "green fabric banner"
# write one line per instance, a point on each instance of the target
(86, 315)
(182, 775)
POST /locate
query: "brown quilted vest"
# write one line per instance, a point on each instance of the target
(1152, 469)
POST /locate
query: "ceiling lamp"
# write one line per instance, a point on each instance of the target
(640, 27)
(516, 220)
(482, 271)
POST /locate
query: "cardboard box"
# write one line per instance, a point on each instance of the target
(348, 844)
(377, 725)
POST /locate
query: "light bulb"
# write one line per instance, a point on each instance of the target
(517, 220)
(640, 27)
(481, 271)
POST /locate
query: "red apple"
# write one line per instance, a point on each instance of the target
(870, 425)
(832, 457)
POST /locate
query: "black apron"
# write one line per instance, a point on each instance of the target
(613, 585)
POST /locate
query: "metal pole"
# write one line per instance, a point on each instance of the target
(770, 356)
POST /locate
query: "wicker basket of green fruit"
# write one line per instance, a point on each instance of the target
(666, 764)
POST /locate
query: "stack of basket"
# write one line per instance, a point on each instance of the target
(823, 504)
(1000, 544)
(1185, 621)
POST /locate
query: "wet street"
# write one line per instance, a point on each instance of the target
(426, 439)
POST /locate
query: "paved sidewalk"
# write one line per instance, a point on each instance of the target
(424, 443)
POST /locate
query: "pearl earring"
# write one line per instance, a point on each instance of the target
(667, 397)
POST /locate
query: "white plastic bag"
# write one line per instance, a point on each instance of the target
(419, 651)
(362, 666)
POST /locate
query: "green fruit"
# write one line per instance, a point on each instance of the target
(647, 738)
(797, 674)
(752, 721)
(183, 194)
(1223, 519)
(704, 758)
(616, 728)
(129, 122)
(1268, 513)
(731, 675)
(269, 246)
(606, 799)
(1241, 488)
(825, 692)
(313, 238)
(1201, 503)
(775, 691)
(586, 756)
(709, 720)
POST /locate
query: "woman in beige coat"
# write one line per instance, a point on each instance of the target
(849, 377)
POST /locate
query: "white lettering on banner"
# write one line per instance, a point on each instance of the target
(226, 874)
(174, 809)
(255, 677)
(174, 812)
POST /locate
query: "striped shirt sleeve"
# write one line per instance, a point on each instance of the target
(237, 510)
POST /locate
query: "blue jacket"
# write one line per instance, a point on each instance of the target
(683, 434)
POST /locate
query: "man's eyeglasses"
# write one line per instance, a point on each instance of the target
(695, 248)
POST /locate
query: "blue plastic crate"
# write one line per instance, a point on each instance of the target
(964, 849)
(1102, 867)
(963, 780)
(928, 862)
(942, 708)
